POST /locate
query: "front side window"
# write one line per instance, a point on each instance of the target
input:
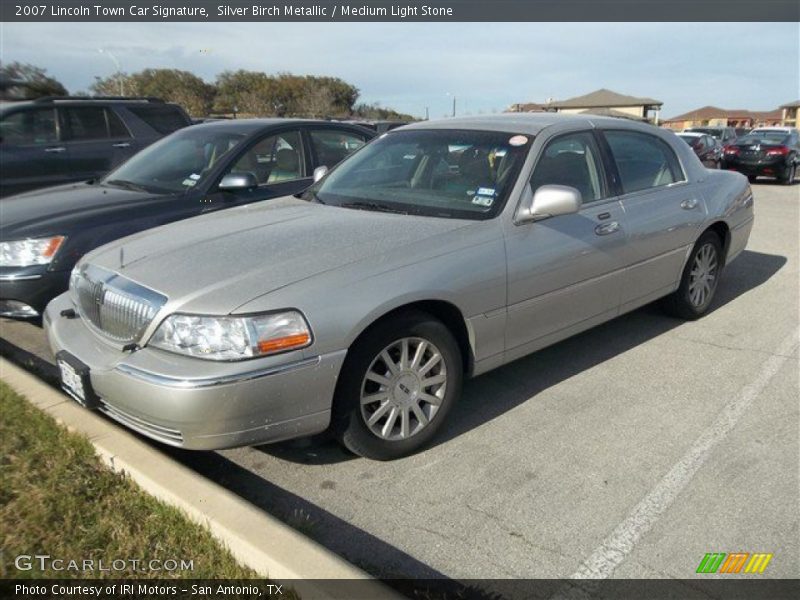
(274, 159)
(178, 162)
(439, 173)
(29, 127)
(331, 146)
(643, 160)
(571, 160)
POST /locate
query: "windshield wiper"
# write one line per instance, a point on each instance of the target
(375, 206)
(309, 196)
(128, 185)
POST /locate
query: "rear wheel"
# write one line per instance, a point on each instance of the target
(699, 281)
(787, 177)
(398, 383)
(752, 178)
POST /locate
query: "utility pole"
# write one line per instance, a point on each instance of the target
(113, 58)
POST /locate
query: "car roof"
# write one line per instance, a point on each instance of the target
(253, 125)
(530, 123)
(692, 133)
(782, 129)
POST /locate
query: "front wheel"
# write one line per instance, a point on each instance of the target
(699, 280)
(398, 383)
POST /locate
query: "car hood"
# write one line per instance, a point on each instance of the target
(58, 210)
(215, 263)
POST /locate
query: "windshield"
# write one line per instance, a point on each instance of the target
(690, 139)
(764, 137)
(176, 163)
(438, 173)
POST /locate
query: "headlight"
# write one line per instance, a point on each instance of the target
(232, 338)
(27, 253)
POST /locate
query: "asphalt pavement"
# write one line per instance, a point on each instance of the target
(630, 451)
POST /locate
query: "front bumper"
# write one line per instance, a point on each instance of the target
(198, 404)
(29, 288)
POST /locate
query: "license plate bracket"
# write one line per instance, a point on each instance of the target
(75, 380)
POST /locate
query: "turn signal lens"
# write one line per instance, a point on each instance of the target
(285, 343)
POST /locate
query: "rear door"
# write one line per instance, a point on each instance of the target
(96, 140)
(30, 151)
(663, 211)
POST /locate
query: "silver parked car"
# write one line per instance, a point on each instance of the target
(438, 251)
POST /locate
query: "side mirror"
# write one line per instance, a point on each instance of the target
(319, 173)
(548, 201)
(236, 182)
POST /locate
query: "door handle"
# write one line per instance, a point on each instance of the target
(689, 204)
(607, 228)
(121, 145)
(55, 149)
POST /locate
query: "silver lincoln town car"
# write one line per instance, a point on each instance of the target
(438, 251)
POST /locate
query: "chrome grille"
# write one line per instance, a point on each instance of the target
(114, 305)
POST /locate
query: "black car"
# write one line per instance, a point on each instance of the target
(55, 140)
(768, 151)
(725, 135)
(707, 148)
(195, 170)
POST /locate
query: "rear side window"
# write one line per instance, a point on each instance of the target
(643, 160)
(85, 123)
(29, 127)
(161, 117)
(332, 146)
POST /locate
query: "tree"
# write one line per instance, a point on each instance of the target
(171, 85)
(377, 112)
(33, 81)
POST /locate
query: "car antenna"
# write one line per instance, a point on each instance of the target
(122, 257)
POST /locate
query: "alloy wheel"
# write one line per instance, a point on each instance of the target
(403, 388)
(703, 276)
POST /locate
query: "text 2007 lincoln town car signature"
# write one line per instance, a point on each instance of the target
(439, 250)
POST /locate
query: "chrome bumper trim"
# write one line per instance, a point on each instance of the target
(207, 382)
(19, 277)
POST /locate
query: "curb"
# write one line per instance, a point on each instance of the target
(254, 538)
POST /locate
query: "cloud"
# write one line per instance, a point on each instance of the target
(411, 66)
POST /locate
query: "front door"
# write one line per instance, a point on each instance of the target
(564, 273)
(30, 151)
(279, 165)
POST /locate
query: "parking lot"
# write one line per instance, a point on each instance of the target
(629, 451)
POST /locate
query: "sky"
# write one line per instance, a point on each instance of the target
(412, 67)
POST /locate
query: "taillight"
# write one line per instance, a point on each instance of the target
(778, 151)
(731, 150)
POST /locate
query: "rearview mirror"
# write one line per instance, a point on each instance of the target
(235, 182)
(548, 201)
(319, 173)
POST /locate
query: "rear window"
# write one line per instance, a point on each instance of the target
(163, 118)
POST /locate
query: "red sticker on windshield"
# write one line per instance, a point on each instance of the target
(518, 140)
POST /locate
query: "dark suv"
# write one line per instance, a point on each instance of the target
(56, 140)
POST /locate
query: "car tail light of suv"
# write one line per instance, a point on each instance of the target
(778, 151)
(731, 150)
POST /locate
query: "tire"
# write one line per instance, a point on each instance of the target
(787, 177)
(752, 178)
(693, 297)
(403, 398)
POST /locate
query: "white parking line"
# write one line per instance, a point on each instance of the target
(602, 563)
